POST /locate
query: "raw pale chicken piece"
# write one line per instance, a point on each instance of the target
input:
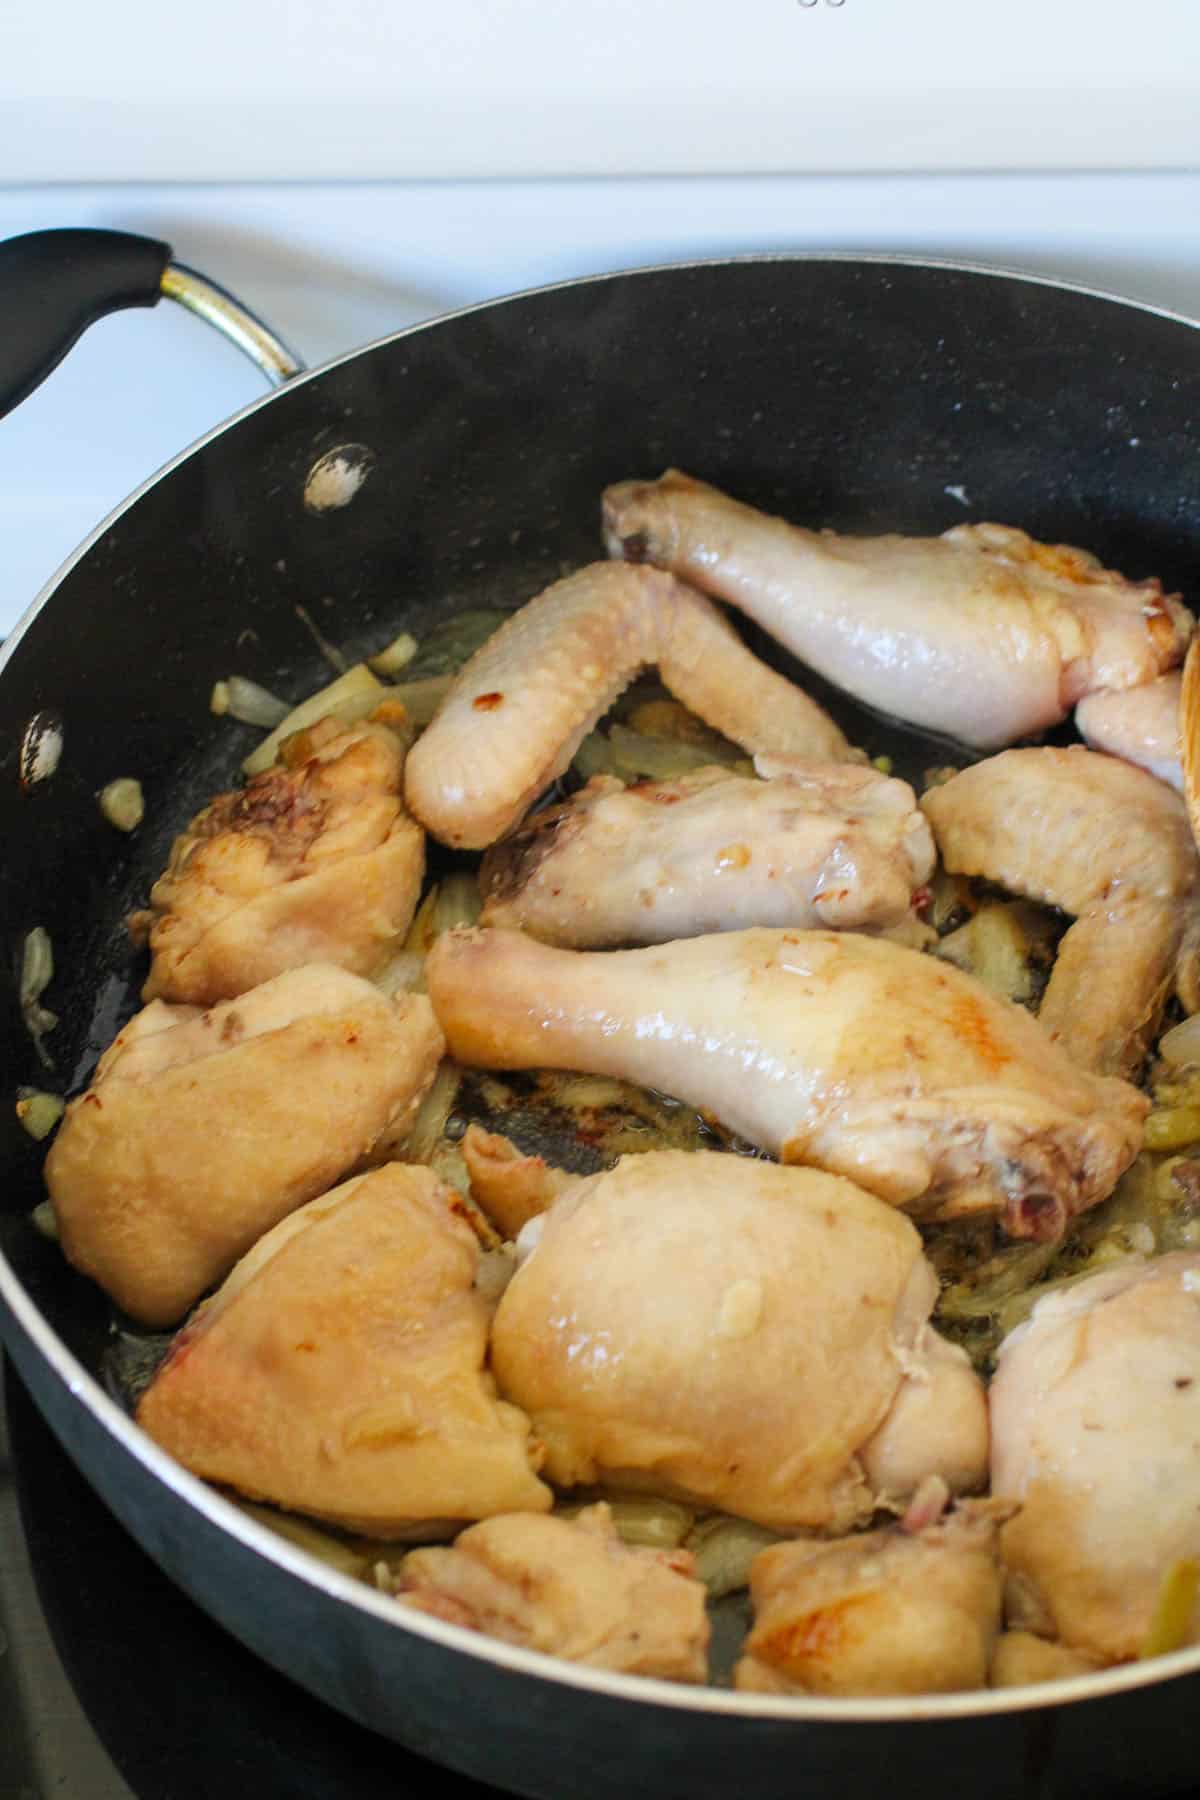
(890, 1612)
(202, 1129)
(1139, 724)
(1095, 1425)
(850, 1053)
(568, 1588)
(982, 633)
(340, 1369)
(1020, 1658)
(523, 704)
(1106, 842)
(813, 844)
(509, 1186)
(315, 860)
(724, 1330)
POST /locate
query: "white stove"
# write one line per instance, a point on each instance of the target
(351, 168)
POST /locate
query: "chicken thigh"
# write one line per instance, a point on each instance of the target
(520, 708)
(850, 1053)
(1095, 1411)
(813, 844)
(568, 1588)
(983, 633)
(202, 1129)
(340, 1369)
(315, 860)
(890, 1612)
(1102, 840)
(724, 1330)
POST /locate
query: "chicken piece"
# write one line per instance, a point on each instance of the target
(723, 1330)
(890, 1612)
(812, 844)
(1138, 724)
(506, 1184)
(202, 1129)
(1106, 842)
(1021, 1658)
(1095, 1411)
(568, 1588)
(519, 709)
(850, 1053)
(340, 1369)
(982, 633)
(315, 860)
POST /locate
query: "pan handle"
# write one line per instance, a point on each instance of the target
(54, 284)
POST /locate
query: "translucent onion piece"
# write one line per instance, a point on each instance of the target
(395, 656)
(1181, 1044)
(724, 1549)
(640, 1520)
(1170, 1625)
(122, 803)
(350, 698)
(251, 704)
(39, 1112)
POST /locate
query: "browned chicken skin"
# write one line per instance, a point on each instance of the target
(890, 1612)
(735, 1333)
(845, 1052)
(569, 1588)
(521, 706)
(1095, 1410)
(815, 844)
(1102, 840)
(202, 1129)
(340, 1370)
(983, 633)
(315, 860)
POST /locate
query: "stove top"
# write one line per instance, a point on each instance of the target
(115, 1686)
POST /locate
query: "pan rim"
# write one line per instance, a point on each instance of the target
(222, 1514)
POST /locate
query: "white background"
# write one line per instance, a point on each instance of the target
(315, 157)
(395, 89)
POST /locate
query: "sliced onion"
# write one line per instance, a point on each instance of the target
(1181, 1044)
(251, 704)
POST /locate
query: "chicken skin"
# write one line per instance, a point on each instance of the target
(569, 1588)
(202, 1129)
(1140, 725)
(845, 1052)
(1102, 840)
(340, 1369)
(813, 844)
(1095, 1411)
(519, 709)
(890, 1612)
(983, 633)
(315, 860)
(723, 1330)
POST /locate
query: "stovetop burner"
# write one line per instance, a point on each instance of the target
(183, 1711)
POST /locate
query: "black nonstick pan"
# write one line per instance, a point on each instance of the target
(864, 393)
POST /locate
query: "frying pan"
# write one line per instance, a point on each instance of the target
(866, 393)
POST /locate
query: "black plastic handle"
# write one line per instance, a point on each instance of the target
(54, 284)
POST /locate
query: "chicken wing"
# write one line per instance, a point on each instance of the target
(340, 1369)
(315, 860)
(813, 844)
(890, 1612)
(724, 1330)
(520, 708)
(1102, 840)
(982, 633)
(202, 1129)
(1095, 1410)
(568, 1588)
(1139, 724)
(845, 1052)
